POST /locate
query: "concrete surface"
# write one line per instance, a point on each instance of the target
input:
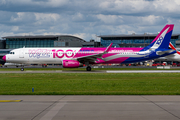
(109, 107)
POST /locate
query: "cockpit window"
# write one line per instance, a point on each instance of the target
(11, 53)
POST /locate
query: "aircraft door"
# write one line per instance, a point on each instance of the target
(21, 53)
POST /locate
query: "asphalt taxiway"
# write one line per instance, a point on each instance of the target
(94, 71)
(62, 107)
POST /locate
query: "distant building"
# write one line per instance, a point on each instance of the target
(92, 43)
(134, 40)
(13, 42)
(2, 44)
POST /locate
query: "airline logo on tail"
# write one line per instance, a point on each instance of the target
(160, 39)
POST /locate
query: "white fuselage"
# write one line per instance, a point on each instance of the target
(40, 55)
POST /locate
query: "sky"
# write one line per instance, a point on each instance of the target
(87, 19)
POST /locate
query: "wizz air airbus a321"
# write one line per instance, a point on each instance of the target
(76, 57)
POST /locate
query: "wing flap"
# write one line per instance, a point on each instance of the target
(93, 58)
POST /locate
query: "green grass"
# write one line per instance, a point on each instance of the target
(90, 84)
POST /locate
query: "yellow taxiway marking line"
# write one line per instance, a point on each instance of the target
(10, 100)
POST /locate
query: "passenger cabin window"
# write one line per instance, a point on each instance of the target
(11, 53)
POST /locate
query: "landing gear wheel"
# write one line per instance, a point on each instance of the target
(88, 68)
(22, 69)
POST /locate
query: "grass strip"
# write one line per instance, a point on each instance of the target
(90, 84)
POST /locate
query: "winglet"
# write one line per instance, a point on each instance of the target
(108, 48)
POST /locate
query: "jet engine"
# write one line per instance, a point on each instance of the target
(71, 64)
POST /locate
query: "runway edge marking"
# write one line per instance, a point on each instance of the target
(144, 71)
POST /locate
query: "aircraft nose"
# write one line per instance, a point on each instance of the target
(4, 58)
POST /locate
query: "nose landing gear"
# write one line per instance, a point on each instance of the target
(22, 69)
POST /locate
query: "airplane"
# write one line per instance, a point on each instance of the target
(172, 57)
(76, 57)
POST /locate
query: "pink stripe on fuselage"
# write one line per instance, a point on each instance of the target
(113, 51)
(117, 60)
(89, 51)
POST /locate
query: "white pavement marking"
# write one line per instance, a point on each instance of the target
(52, 112)
(145, 71)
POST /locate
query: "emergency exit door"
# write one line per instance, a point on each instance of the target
(21, 53)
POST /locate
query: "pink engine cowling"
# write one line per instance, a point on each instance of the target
(71, 64)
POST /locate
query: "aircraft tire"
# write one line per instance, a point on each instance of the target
(22, 69)
(88, 68)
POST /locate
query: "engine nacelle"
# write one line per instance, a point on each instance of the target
(71, 64)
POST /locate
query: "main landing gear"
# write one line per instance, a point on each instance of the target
(44, 65)
(88, 68)
(22, 69)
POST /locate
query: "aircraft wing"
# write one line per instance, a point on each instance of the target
(93, 58)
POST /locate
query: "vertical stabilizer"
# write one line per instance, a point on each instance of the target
(162, 40)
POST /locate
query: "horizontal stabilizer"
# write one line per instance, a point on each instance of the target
(165, 52)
